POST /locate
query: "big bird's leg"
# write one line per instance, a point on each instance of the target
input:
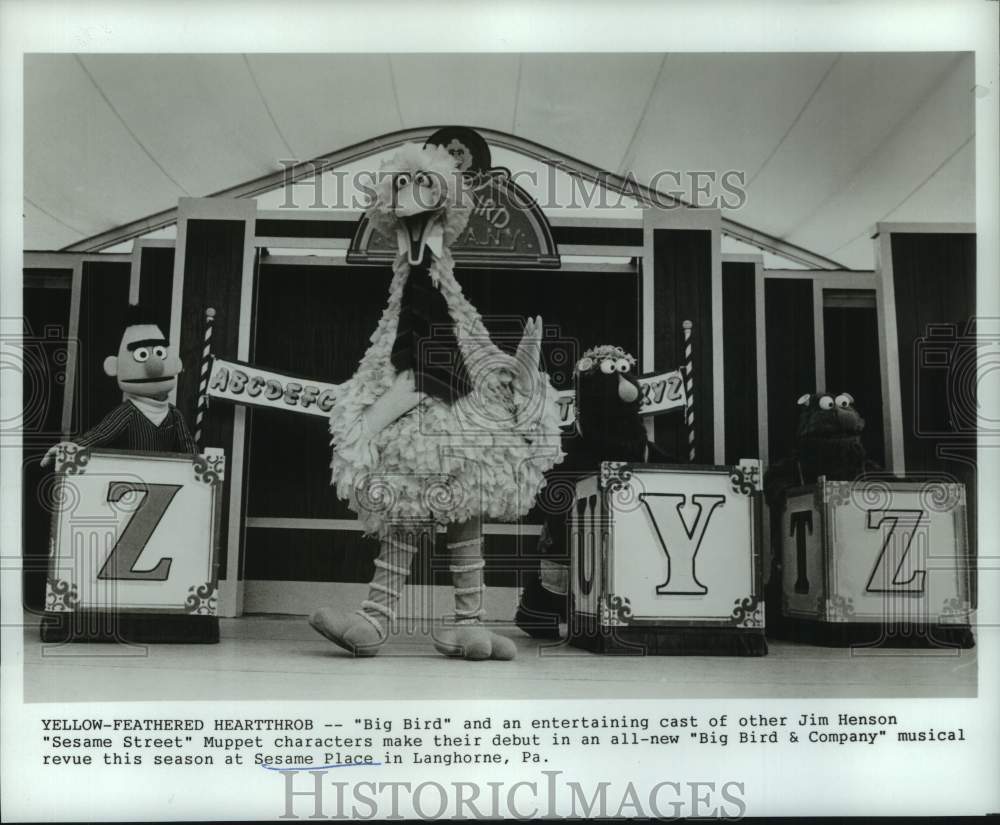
(365, 630)
(464, 636)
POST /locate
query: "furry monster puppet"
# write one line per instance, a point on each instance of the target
(607, 428)
(437, 426)
(827, 443)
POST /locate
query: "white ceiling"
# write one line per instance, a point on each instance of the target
(830, 144)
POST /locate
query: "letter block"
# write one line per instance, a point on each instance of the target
(876, 562)
(665, 560)
(133, 551)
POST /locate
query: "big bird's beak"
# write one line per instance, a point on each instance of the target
(417, 232)
(420, 226)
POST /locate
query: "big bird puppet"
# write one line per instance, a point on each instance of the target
(438, 425)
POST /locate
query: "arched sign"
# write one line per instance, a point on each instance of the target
(506, 228)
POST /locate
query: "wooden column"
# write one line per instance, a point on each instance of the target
(153, 277)
(214, 267)
(934, 345)
(682, 279)
(739, 354)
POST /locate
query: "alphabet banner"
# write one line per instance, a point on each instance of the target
(657, 548)
(135, 532)
(241, 383)
(878, 552)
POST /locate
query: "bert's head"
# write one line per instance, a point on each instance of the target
(146, 364)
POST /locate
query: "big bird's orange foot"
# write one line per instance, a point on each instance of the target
(351, 631)
(474, 642)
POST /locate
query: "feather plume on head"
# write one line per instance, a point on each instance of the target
(417, 181)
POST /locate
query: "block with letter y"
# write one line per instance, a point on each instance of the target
(876, 562)
(133, 551)
(665, 560)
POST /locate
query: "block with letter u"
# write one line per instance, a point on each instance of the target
(665, 560)
(133, 551)
(876, 562)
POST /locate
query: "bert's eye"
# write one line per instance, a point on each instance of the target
(844, 400)
(622, 365)
(826, 403)
(160, 352)
(607, 366)
(141, 354)
(401, 180)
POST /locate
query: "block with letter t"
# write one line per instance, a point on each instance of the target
(665, 560)
(133, 551)
(876, 562)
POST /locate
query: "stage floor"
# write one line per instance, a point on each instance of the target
(282, 658)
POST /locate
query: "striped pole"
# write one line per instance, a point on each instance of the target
(206, 362)
(689, 390)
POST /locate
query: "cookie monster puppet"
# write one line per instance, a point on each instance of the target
(608, 427)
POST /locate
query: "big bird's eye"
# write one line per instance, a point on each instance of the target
(826, 403)
(622, 365)
(607, 366)
(844, 400)
(401, 180)
(141, 354)
(160, 352)
(422, 179)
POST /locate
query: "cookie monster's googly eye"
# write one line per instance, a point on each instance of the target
(585, 365)
(622, 365)
(401, 180)
(826, 403)
(141, 354)
(844, 400)
(608, 366)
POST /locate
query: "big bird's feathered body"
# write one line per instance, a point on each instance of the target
(438, 425)
(448, 459)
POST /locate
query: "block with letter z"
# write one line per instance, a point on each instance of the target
(133, 550)
(877, 562)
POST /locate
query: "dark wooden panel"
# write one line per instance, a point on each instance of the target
(41, 278)
(156, 282)
(739, 354)
(213, 274)
(853, 365)
(683, 291)
(270, 227)
(791, 358)
(934, 276)
(46, 325)
(103, 307)
(580, 310)
(597, 235)
(349, 556)
(311, 321)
